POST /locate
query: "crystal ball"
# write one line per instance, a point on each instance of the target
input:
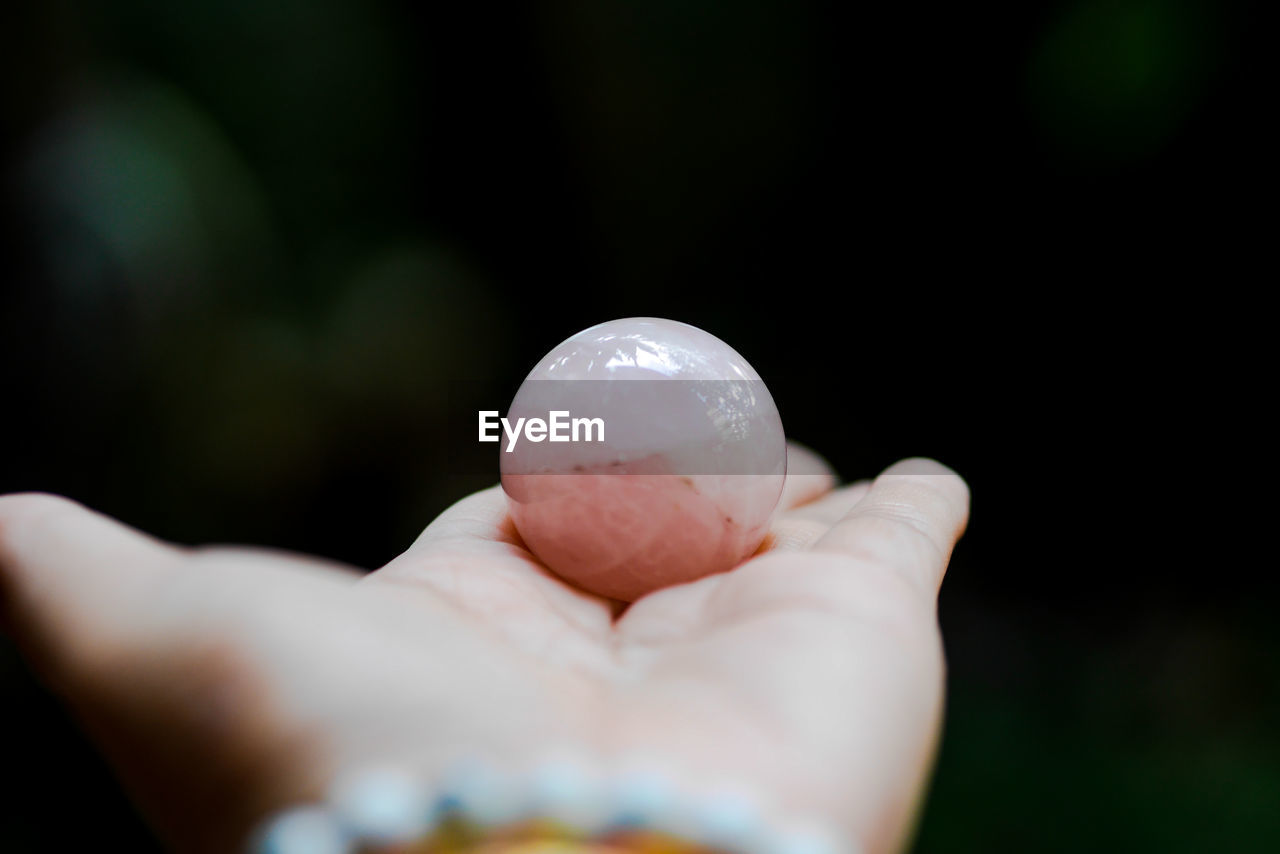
(642, 453)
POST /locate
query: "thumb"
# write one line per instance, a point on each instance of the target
(66, 574)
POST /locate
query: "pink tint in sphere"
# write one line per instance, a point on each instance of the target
(679, 481)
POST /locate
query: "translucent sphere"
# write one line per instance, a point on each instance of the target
(642, 453)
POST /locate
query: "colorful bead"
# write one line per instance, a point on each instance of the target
(384, 805)
(304, 830)
(562, 806)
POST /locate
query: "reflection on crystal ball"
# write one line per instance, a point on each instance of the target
(664, 464)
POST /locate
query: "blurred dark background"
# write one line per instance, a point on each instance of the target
(251, 249)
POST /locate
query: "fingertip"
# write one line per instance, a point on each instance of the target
(808, 478)
(18, 511)
(920, 465)
(930, 472)
(16, 506)
(908, 520)
(803, 460)
(53, 539)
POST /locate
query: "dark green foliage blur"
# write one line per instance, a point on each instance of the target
(258, 254)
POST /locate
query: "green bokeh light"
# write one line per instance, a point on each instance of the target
(1112, 80)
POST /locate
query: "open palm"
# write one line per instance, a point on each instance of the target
(225, 683)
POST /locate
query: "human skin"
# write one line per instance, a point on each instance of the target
(226, 683)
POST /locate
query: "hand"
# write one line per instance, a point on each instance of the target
(226, 683)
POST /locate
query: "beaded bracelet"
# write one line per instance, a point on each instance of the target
(558, 807)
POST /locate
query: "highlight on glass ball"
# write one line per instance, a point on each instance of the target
(640, 454)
